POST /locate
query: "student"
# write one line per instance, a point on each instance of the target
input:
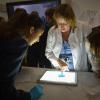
(49, 22)
(65, 42)
(49, 18)
(33, 53)
(93, 50)
(19, 32)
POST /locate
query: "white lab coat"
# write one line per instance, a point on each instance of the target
(76, 41)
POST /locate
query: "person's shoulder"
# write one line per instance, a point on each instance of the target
(53, 28)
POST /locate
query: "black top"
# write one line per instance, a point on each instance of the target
(12, 52)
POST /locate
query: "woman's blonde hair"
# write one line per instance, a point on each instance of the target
(65, 11)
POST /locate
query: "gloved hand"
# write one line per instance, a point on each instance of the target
(36, 92)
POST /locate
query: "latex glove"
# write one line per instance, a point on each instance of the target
(36, 92)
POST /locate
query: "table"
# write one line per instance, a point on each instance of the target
(29, 77)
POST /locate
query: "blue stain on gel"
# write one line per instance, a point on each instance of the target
(61, 75)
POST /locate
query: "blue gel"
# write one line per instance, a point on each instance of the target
(61, 75)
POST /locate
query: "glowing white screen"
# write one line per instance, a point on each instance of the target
(53, 77)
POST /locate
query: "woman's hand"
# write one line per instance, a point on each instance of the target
(62, 65)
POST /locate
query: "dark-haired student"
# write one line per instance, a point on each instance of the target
(33, 53)
(93, 50)
(19, 32)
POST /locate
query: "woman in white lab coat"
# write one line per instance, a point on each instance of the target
(65, 42)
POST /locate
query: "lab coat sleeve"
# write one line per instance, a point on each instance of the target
(49, 48)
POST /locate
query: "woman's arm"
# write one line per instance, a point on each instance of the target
(50, 46)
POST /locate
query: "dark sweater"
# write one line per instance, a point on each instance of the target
(12, 52)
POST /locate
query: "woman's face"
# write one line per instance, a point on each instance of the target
(63, 25)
